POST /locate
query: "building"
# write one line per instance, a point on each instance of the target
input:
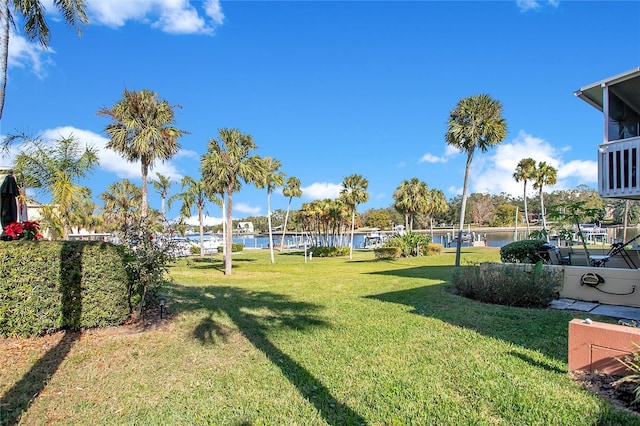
(245, 227)
(618, 97)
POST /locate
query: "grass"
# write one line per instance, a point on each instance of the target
(330, 341)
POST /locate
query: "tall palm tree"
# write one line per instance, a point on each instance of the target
(162, 186)
(354, 192)
(35, 27)
(475, 123)
(545, 174)
(271, 179)
(229, 162)
(142, 130)
(291, 189)
(525, 171)
(121, 204)
(195, 194)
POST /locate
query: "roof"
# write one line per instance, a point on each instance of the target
(626, 86)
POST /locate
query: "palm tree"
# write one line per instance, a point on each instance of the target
(354, 192)
(291, 189)
(475, 123)
(525, 170)
(436, 204)
(121, 204)
(55, 169)
(35, 27)
(271, 179)
(544, 174)
(228, 163)
(194, 193)
(142, 131)
(162, 186)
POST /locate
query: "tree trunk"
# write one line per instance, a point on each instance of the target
(526, 212)
(143, 205)
(625, 221)
(273, 260)
(5, 52)
(200, 221)
(284, 227)
(463, 205)
(228, 236)
(542, 213)
(353, 225)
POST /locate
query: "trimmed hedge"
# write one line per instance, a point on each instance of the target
(329, 251)
(525, 251)
(522, 285)
(51, 285)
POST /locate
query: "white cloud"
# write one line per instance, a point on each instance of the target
(171, 16)
(23, 54)
(585, 170)
(321, 190)
(493, 173)
(206, 220)
(246, 209)
(110, 161)
(430, 158)
(526, 5)
(449, 151)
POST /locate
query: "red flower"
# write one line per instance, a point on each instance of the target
(150, 237)
(14, 230)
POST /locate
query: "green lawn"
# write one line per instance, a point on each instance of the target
(330, 341)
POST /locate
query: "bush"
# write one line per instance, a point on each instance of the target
(432, 249)
(410, 244)
(47, 286)
(236, 247)
(387, 252)
(509, 284)
(525, 251)
(329, 251)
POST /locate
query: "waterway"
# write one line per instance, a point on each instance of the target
(492, 238)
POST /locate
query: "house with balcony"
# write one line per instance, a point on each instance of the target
(618, 98)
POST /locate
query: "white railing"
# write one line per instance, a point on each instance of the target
(618, 166)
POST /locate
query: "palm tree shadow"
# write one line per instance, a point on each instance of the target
(497, 321)
(255, 314)
(19, 398)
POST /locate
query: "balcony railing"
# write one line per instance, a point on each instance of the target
(618, 164)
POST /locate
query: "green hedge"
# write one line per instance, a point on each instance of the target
(521, 285)
(525, 251)
(387, 252)
(47, 286)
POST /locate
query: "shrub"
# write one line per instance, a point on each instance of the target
(432, 249)
(632, 363)
(146, 261)
(509, 284)
(329, 251)
(236, 247)
(387, 252)
(410, 244)
(47, 286)
(525, 251)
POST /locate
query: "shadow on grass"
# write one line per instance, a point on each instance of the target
(17, 400)
(538, 329)
(255, 314)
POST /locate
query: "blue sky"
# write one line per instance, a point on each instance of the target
(333, 88)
